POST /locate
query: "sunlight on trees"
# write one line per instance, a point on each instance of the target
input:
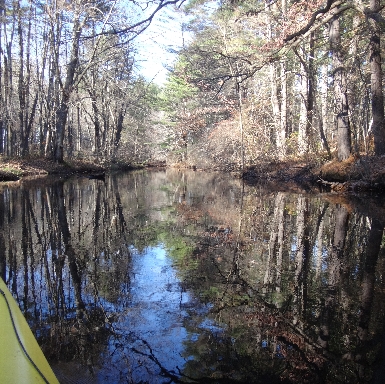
(302, 78)
(67, 75)
(259, 80)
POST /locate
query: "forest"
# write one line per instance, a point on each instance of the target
(255, 81)
(188, 276)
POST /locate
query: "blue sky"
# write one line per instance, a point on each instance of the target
(153, 45)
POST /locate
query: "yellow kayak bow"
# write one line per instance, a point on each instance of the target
(21, 359)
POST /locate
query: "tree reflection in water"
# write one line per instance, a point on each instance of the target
(177, 276)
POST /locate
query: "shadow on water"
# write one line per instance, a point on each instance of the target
(187, 277)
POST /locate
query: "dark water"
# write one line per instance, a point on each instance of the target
(168, 277)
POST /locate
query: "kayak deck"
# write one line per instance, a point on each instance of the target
(21, 359)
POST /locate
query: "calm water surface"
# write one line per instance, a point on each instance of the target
(192, 277)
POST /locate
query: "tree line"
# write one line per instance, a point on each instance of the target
(255, 80)
(282, 78)
(68, 83)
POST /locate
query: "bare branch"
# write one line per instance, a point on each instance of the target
(315, 15)
(144, 24)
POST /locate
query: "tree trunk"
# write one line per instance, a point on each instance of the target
(378, 126)
(280, 240)
(119, 127)
(9, 142)
(339, 239)
(274, 95)
(310, 85)
(303, 142)
(280, 138)
(73, 262)
(95, 118)
(283, 126)
(282, 133)
(323, 111)
(340, 91)
(2, 101)
(21, 83)
(62, 112)
(369, 284)
(301, 261)
(30, 110)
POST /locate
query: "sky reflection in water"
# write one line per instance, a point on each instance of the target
(160, 277)
(156, 315)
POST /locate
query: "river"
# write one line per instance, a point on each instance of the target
(180, 276)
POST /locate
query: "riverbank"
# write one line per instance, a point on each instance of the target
(14, 169)
(356, 174)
